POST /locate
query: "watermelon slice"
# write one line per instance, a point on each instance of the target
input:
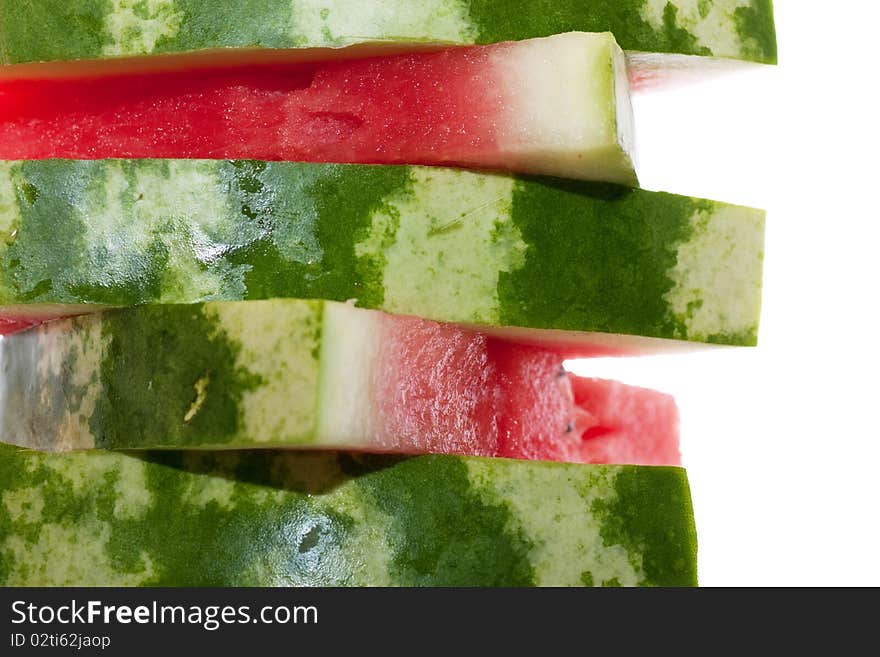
(555, 106)
(51, 31)
(282, 518)
(588, 264)
(291, 373)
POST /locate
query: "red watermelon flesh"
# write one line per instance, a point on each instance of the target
(305, 111)
(620, 413)
(16, 319)
(438, 388)
(471, 106)
(8, 326)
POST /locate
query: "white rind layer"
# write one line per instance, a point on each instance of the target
(351, 339)
(568, 111)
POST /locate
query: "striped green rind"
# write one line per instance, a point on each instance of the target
(243, 374)
(444, 244)
(278, 519)
(47, 30)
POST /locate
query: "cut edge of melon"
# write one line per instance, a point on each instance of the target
(212, 58)
(29, 345)
(652, 71)
(585, 344)
(350, 344)
(576, 121)
(42, 312)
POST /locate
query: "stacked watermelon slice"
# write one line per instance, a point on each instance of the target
(287, 299)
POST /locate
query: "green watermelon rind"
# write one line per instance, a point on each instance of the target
(277, 519)
(46, 30)
(492, 251)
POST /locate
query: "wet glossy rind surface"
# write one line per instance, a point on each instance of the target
(274, 519)
(443, 244)
(44, 30)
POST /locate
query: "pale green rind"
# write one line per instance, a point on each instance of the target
(282, 519)
(210, 376)
(49, 385)
(568, 111)
(351, 347)
(495, 251)
(45, 30)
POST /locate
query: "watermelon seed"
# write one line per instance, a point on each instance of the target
(201, 387)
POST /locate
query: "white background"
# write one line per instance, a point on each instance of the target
(782, 443)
